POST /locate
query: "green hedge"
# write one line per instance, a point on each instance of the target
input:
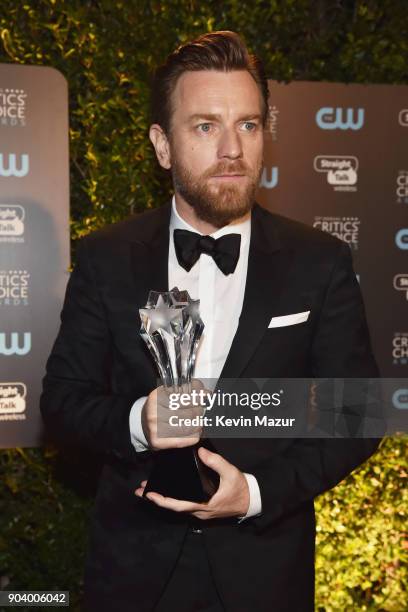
(107, 50)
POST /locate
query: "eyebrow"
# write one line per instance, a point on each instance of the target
(217, 117)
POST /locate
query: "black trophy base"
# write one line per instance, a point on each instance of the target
(180, 473)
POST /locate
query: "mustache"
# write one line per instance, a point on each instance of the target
(236, 167)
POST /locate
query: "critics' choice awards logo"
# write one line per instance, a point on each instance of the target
(403, 117)
(269, 178)
(341, 170)
(329, 118)
(12, 223)
(14, 286)
(12, 401)
(402, 187)
(400, 283)
(401, 238)
(13, 107)
(272, 122)
(12, 164)
(15, 343)
(400, 348)
(345, 228)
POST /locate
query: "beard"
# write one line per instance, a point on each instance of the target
(217, 205)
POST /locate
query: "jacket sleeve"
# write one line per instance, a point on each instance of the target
(341, 348)
(77, 404)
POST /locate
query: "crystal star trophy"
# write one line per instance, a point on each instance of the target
(171, 327)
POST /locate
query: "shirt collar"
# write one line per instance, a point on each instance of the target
(242, 227)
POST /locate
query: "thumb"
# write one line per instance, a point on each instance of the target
(213, 460)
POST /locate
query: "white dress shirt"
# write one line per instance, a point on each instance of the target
(221, 298)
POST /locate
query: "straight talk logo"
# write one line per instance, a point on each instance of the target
(400, 283)
(341, 170)
(12, 401)
(12, 223)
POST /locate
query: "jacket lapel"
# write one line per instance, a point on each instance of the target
(150, 253)
(269, 262)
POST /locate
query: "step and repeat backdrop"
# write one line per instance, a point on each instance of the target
(34, 239)
(336, 158)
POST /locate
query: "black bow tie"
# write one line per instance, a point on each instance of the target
(224, 250)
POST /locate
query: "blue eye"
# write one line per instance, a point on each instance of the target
(251, 125)
(204, 127)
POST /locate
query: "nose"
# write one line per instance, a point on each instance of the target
(230, 145)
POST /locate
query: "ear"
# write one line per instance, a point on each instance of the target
(161, 145)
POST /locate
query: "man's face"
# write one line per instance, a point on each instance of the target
(216, 143)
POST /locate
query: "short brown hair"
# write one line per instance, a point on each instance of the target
(222, 50)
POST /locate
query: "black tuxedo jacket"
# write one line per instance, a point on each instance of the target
(99, 366)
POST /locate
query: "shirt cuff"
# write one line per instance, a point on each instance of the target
(137, 436)
(255, 502)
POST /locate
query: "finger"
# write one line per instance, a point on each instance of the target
(190, 411)
(179, 425)
(175, 430)
(177, 505)
(215, 461)
(189, 432)
(197, 384)
(182, 442)
(139, 491)
(163, 443)
(204, 516)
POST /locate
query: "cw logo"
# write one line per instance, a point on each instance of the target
(13, 346)
(403, 117)
(9, 168)
(269, 183)
(328, 118)
(401, 238)
(400, 399)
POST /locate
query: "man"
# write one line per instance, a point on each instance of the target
(254, 546)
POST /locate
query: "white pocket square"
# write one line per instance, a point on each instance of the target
(291, 319)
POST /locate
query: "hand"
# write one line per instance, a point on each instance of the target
(155, 419)
(230, 499)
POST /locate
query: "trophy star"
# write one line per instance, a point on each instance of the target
(161, 303)
(171, 328)
(159, 318)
